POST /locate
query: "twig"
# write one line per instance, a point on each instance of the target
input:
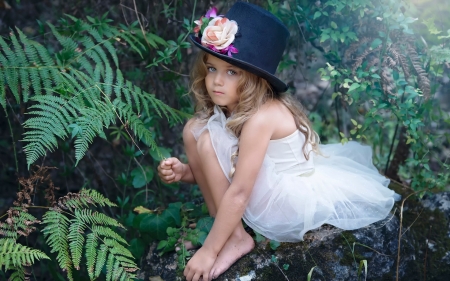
(426, 254)
(298, 23)
(412, 223)
(392, 148)
(400, 234)
(13, 141)
(173, 71)
(145, 176)
(140, 25)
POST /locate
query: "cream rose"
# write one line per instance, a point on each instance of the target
(220, 33)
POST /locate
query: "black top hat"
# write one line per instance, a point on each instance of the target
(260, 40)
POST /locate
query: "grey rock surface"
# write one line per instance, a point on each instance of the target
(334, 254)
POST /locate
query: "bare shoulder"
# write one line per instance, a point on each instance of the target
(275, 118)
(272, 112)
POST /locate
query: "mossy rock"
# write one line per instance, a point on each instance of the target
(336, 254)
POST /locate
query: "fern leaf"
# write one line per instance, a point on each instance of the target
(91, 217)
(127, 89)
(96, 197)
(138, 127)
(67, 42)
(109, 267)
(86, 65)
(137, 93)
(91, 253)
(12, 75)
(89, 50)
(107, 232)
(99, 69)
(18, 254)
(92, 122)
(91, 93)
(130, 40)
(119, 84)
(56, 231)
(22, 61)
(106, 43)
(118, 270)
(109, 78)
(19, 274)
(76, 240)
(101, 259)
(116, 248)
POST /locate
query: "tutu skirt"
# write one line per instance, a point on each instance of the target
(344, 190)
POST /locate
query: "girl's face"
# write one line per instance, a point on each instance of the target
(222, 80)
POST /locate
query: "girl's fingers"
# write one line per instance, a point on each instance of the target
(188, 273)
(196, 277)
(166, 164)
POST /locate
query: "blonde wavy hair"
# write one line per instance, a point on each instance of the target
(253, 92)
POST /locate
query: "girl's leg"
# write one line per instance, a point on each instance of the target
(190, 146)
(240, 242)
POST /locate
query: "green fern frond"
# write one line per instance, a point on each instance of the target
(143, 133)
(91, 253)
(21, 60)
(19, 274)
(76, 88)
(92, 217)
(101, 259)
(116, 248)
(110, 266)
(112, 51)
(76, 240)
(101, 231)
(92, 122)
(55, 232)
(67, 42)
(11, 73)
(7, 231)
(18, 254)
(20, 224)
(96, 197)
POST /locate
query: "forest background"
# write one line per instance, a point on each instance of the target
(95, 93)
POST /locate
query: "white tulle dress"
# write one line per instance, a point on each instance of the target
(293, 195)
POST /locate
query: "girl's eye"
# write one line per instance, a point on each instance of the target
(211, 69)
(232, 72)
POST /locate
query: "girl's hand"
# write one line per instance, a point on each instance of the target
(171, 170)
(200, 265)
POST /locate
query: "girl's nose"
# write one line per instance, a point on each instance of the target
(218, 79)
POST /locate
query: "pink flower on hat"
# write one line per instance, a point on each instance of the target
(218, 32)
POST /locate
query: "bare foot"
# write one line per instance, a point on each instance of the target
(237, 246)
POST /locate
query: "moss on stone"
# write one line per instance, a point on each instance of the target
(428, 229)
(347, 240)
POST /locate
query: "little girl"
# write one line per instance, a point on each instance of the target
(253, 153)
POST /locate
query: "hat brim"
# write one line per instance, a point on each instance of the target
(277, 85)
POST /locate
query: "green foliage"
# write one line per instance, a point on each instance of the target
(15, 255)
(66, 237)
(379, 76)
(76, 92)
(73, 230)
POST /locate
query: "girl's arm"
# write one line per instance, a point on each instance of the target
(254, 140)
(172, 170)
